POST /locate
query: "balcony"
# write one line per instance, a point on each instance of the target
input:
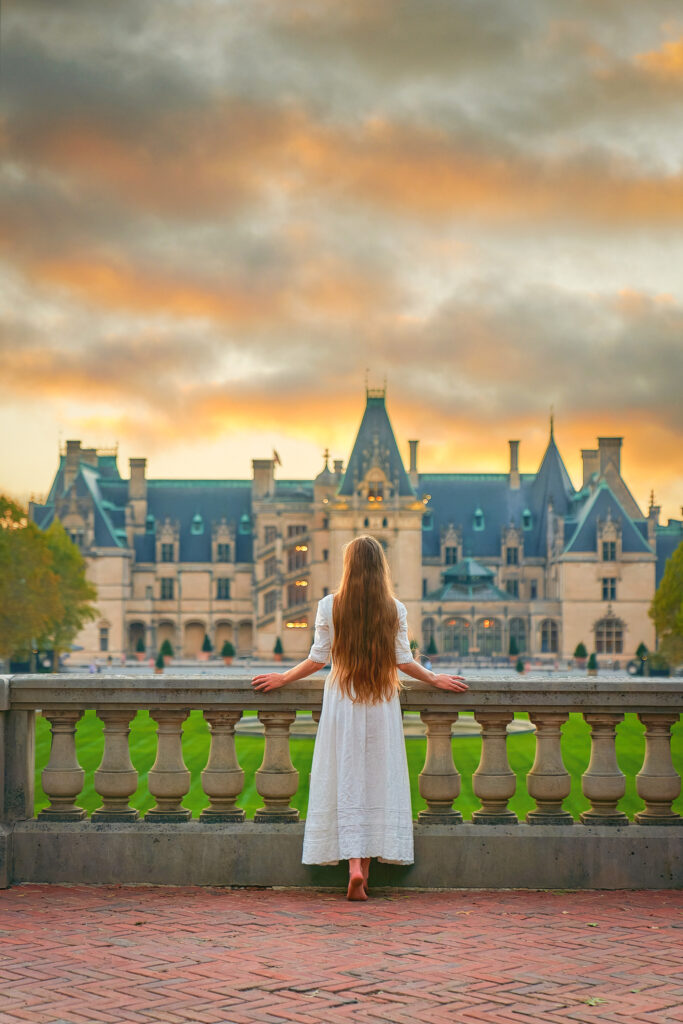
(548, 850)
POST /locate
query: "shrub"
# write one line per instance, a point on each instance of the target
(206, 643)
(227, 650)
(641, 651)
(431, 646)
(277, 649)
(140, 646)
(166, 649)
(581, 651)
(592, 661)
(519, 667)
(160, 660)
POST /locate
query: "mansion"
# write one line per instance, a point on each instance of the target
(481, 560)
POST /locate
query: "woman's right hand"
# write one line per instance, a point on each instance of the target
(454, 683)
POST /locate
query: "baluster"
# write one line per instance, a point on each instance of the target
(63, 777)
(439, 780)
(169, 780)
(548, 782)
(222, 779)
(494, 782)
(657, 782)
(116, 779)
(277, 779)
(603, 783)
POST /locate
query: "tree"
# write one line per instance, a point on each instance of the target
(166, 649)
(580, 651)
(206, 643)
(75, 591)
(666, 610)
(30, 599)
(227, 650)
(277, 649)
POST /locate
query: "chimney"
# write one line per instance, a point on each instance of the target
(413, 456)
(73, 461)
(263, 485)
(514, 465)
(137, 488)
(590, 463)
(89, 456)
(412, 471)
(609, 450)
(339, 467)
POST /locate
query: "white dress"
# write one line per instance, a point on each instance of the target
(359, 799)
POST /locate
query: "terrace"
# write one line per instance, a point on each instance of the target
(603, 848)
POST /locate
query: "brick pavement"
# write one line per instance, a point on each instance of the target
(109, 955)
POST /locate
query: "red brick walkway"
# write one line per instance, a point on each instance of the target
(78, 955)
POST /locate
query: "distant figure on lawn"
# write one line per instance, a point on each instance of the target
(359, 800)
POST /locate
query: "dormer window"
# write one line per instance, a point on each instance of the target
(428, 521)
(197, 525)
(451, 555)
(245, 523)
(150, 524)
(222, 552)
(478, 522)
(376, 490)
(168, 552)
(526, 519)
(512, 556)
(609, 551)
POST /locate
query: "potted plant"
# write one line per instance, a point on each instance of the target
(140, 649)
(513, 649)
(414, 647)
(159, 664)
(592, 664)
(580, 655)
(277, 650)
(657, 665)
(519, 667)
(166, 651)
(207, 647)
(227, 652)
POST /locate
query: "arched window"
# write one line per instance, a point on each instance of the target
(427, 633)
(478, 522)
(456, 635)
(549, 635)
(609, 636)
(489, 636)
(518, 634)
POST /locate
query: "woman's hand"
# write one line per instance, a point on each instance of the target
(444, 682)
(270, 681)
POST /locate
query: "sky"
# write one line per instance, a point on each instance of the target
(221, 217)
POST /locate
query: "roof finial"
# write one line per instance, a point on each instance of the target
(552, 423)
(652, 498)
(326, 456)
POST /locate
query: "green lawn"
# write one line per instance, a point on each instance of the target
(575, 748)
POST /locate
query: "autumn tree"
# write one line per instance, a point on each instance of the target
(30, 601)
(75, 591)
(666, 610)
(45, 598)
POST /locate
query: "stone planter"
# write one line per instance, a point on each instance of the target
(227, 661)
(203, 656)
(141, 655)
(277, 657)
(158, 671)
(592, 671)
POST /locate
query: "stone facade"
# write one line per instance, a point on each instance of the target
(480, 560)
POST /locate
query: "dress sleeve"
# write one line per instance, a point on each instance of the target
(403, 651)
(320, 651)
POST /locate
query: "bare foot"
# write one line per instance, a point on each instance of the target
(365, 868)
(356, 890)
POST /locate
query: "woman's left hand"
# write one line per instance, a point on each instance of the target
(270, 681)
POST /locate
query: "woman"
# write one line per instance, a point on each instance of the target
(359, 800)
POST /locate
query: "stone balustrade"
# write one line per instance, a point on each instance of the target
(221, 847)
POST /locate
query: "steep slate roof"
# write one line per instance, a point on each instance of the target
(600, 505)
(375, 429)
(552, 485)
(181, 500)
(668, 539)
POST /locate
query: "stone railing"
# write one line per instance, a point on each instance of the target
(603, 849)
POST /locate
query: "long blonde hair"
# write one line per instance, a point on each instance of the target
(365, 620)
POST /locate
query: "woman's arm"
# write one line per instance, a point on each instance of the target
(442, 682)
(274, 680)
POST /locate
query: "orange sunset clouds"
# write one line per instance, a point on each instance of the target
(217, 216)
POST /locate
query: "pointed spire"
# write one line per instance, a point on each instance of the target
(375, 444)
(552, 423)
